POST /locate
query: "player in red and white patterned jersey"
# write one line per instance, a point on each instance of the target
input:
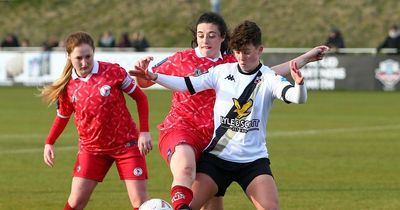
(94, 92)
(188, 127)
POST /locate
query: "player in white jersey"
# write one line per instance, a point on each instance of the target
(244, 95)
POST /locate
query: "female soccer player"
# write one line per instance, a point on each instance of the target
(188, 127)
(93, 90)
(245, 91)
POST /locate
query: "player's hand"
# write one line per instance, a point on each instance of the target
(140, 69)
(317, 53)
(295, 72)
(145, 143)
(48, 154)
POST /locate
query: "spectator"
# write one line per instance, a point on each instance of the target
(25, 43)
(11, 40)
(124, 40)
(50, 43)
(107, 40)
(139, 41)
(392, 40)
(335, 40)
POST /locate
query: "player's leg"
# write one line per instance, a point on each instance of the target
(81, 190)
(137, 191)
(204, 189)
(263, 192)
(88, 171)
(257, 181)
(215, 203)
(131, 166)
(183, 168)
(180, 149)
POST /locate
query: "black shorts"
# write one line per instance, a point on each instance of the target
(225, 172)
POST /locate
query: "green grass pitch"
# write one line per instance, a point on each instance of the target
(341, 150)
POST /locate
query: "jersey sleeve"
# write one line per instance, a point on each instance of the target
(64, 106)
(205, 81)
(166, 66)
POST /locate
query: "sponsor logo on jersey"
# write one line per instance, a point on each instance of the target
(105, 90)
(242, 110)
(137, 171)
(230, 78)
(388, 74)
(237, 124)
(160, 63)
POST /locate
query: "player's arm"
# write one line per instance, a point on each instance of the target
(57, 128)
(297, 93)
(315, 54)
(145, 143)
(129, 86)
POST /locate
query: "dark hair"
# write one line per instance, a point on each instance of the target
(213, 18)
(245, 33)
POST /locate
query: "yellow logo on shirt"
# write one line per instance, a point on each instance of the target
(243, 110)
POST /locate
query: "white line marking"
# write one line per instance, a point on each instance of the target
(269, 134)
(333, 130)
(36, 150)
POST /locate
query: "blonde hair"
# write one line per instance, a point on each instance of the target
(51, 92)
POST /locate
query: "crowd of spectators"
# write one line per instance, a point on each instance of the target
(136, 41)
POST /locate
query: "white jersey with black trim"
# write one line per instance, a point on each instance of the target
(243, 103)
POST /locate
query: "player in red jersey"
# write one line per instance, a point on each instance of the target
(93, 90)
(188, 127)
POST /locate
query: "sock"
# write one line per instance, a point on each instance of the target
(68, 207)
(181, 195)
(135, 208)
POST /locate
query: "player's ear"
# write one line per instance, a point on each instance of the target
(260, 49)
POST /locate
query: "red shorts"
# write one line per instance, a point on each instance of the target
(171, 138)
(131, 165)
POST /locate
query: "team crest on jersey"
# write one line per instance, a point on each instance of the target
(258, 80)
(197, 72)
(137, 171)
(242, 110)
(105, 90)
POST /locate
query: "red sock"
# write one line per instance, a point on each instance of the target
(181, 195)
(135, 208)
(68, 207)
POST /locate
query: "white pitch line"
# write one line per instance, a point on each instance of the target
(36, 150)
(333, 130)
(269, 134)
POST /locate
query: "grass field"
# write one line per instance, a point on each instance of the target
(339, 151)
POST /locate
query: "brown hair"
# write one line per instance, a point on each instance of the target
(51, 92)
(244, 34)
(213, 18)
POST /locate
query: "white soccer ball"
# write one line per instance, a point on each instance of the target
(155, 204)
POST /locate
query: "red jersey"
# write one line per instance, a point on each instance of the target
(101, 116)
(193, 113)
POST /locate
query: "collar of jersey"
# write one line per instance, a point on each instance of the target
(95, 70)
(198, 53)
(251, 72)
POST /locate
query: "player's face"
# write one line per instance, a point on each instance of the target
(82, 59)
(209, 39)
(249, 57)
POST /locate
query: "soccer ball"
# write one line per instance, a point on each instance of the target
(155, 204)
